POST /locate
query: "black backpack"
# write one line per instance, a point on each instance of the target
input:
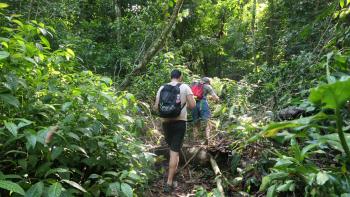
(170, 101)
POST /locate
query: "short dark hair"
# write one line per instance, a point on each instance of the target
(175, 74)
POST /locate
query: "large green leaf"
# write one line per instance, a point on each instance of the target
(56, 170)
(334, 141)
(36, 190)
(9, 99)
(322, 178)
(266, 180)
(272, 129)
(333, 95)
(113, 189)
(289, 185)
(55, 190)
(3, 54)
(11, 186)
(271, 192)
(126, 190)
(74, 184)
(12, 127)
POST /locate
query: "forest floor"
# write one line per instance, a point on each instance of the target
(195, 172)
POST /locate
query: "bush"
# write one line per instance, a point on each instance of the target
(63, 132)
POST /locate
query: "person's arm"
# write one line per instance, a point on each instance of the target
(191, 103)
(215, 97)
(212, 93)
(156, 103)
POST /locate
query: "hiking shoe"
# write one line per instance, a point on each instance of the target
(167, 188)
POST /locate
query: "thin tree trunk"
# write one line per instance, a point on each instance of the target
(154, 48)
(30, 9)
(271, 32)
(253, 32)
(118, 15)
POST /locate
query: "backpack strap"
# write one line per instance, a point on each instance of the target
(178, 85)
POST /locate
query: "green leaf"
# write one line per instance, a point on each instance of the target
(126, 190)
(112, 173)
(322, 178)
(266, 180)
(74, 184)
(55, 190)
(3, 5)
(271, 192)
(3, 54)
(272, 129)
(18, 22)
(11, 186)
(286, 161)
(31, 140)
(332, 96)
(286, 187)
(334, 141)
(23, 123)
(9, 99)
(45, 41)
(113, 189)
(66, 106)
(11, 127)
(306, 149)
(107, 80)
(342, 3)
(56, 170)
(70, 52)
(56, 152)
(36, 190)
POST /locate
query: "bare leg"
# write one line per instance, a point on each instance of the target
(196, 128)
(207, 131)
(173, 163)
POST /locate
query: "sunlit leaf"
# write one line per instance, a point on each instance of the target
(332, 96)
(274, 128)
(45, 41)
(3, 5)
(4, 54)
(322, 178)
(74, 184)
(56, 170)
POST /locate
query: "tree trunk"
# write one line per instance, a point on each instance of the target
(154, 48)
(253, 32)
(118, 15)
(270, 34)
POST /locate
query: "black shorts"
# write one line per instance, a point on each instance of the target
(174, 133)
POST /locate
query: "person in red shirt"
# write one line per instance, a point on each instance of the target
(201, 90)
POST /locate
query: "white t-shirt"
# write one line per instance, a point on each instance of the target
(185, 90)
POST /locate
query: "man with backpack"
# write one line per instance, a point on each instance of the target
(171, 102)
(201, 90)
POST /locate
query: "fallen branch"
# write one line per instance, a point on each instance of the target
(217, 172)
(189, 170)
(193, 156)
